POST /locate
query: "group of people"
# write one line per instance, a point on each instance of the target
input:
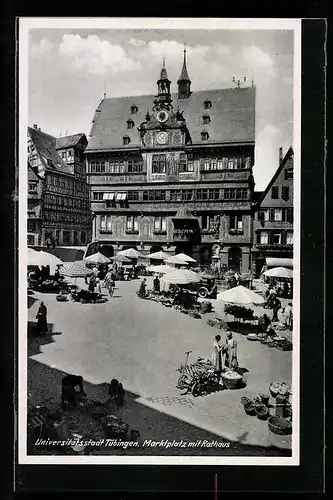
(272, 301)
(284, 289)
(228, 350)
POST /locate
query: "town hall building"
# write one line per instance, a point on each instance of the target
(174, 172)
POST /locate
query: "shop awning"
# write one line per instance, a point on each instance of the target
(279, 262)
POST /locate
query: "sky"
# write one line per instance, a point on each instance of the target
(70, 69)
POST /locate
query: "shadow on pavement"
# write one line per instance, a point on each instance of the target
(44, 383)
(35, 340)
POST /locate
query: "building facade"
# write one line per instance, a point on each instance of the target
(58, 194)
(174, 172)
(274, 216)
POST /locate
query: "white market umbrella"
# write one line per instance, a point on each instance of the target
(240, 295)
(121, 258)
(162, 269)
(158, 255)
(97, 258)
(185, 257)
(42, 258)
(75, 269)
(131, 253)
(177, 260)
(181, 277)
(279, 272)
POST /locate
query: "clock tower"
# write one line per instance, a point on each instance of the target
(164, 127)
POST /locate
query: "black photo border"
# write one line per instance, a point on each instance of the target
(308, 478)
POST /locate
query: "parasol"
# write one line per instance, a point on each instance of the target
(162, 269)
(158, 255)
(131, 253)
(181, 277)
(75, 269)
(279, 272)
(177, 260)
(120, 258)
(240, 295)
(41, 258)
(185, 257)
(97, 258)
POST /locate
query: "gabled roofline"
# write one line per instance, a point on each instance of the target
(275, 176)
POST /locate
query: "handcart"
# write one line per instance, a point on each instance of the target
(198, 378)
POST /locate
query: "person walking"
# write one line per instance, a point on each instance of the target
(157, 284)
(230, 349)
(217, 353)
(276, 307)
(42, 319)
(98, 288)
(142, 289)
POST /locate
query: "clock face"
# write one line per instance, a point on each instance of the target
(162, 116)
(162, 137)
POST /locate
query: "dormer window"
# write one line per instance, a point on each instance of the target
(134, 110)
(208, 104)
(204, 136)
(206, 120)
(130, 123)
(126, 140)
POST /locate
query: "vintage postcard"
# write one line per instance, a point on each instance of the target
(159, 241)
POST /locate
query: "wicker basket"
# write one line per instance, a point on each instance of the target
(273, 393)
(231, 383)
(280, 426)
(250, 409)
(262, 412)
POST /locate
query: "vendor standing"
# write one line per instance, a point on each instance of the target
(288, 316)
(42, 319)
(217, 353)
(230, 349)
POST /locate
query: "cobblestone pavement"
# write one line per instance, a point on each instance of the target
(142, 343)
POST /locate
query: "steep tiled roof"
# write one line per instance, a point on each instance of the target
(68, 141)
(232, 117)
(289, 154)
(45, 145)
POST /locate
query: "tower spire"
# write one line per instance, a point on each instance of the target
(184, 82)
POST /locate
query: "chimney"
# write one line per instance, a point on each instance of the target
(280, 155)
(35, 126)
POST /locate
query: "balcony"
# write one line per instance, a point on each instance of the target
(180, 235)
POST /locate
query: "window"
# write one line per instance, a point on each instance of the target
(276, 238)
(134, 166)
(130, 123)
(278, 214)
(154, 195)
(31, 225)
(66, 236)
(134, 110)
(32, 186)
(206, 119)
(207, 104)
(70, 152)
(116, 167)
(290, 215)
(63, 154)
(106, 223)
(108, 196)
(126, 140)
(132, 224)
(159, 164)
(285, 193)
(263, 238)
(275, 193)
(30, 239)
(208, 194)
(207, 222)
(236, 223)
(121, 197)
(133, 195)
(83, 237)
(97, 167)
(289, 174)
(263, 215)
(97, 196)
(206, 164)
(182, 163)
(204, 136)
(290, 238)
(160, 224)
(181, 195)
(235, 193)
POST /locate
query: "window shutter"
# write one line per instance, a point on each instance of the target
(271, 214)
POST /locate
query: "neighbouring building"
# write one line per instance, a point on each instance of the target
(174, 172)
(58, 194)
(274, 216)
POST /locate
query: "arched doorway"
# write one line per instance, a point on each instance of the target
(234, 258)
(156, 248)
(206, 256)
